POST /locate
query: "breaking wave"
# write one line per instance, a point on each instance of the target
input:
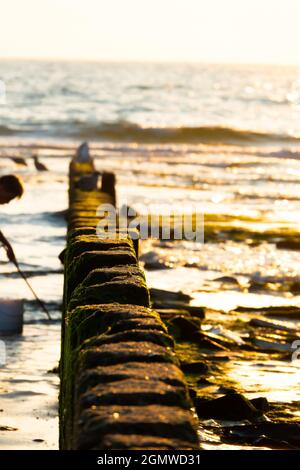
(124, 131)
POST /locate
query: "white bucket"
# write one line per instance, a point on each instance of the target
(11, 317)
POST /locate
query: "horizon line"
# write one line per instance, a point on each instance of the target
(143, 61)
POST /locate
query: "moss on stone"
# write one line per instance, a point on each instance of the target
(98, 276)
(82, 265)
(85, 243)
(124, 290)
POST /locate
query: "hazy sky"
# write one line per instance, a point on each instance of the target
(258, 31)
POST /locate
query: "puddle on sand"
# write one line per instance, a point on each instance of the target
(29, 391)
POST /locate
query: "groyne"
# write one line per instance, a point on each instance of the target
(121, 385)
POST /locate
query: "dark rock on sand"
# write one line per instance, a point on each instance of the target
(160, 294)
(193, 393)
(261, 404)
(194, 367)
(281, 433)
(203, 382)
(184, 328)
(273, 444)
(227, 280)
(284, 312)
(226, 390)
(205, 342)
(176, 305)
(288, 245)
(273, 326)
(153, 262)
(232, 407)
(156, 266)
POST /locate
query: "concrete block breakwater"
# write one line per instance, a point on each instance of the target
(121, 386)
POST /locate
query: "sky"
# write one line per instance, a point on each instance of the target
(234, 31)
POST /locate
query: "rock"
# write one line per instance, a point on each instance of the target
(216, 358)
(138, 323)
(102, 275)
(194, 367)
(193, 393)
(261, 404)
(167, 373)
(226, 390)
(138, 442)
(82, 265)
(274, 326)
(135, 392)
(205, 342)
(288, 245)
(272, 444)
(83, 322)
(161, 421)
(271, 346)
(227, 280)
(174, 305)
(290, 312)
(160, 294)
(124, 291)
(120, 353)
(204, 382)
(284, 312)
(156, 266)
(279, 432)
(153, 262)
(232, 407)
(169, 313)
(138, 335)
(184, 328)
(83, 243)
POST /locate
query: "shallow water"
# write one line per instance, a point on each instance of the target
(29, 390)
(28, 393)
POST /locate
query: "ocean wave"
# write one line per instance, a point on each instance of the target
(5, 130)
(125, 131)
